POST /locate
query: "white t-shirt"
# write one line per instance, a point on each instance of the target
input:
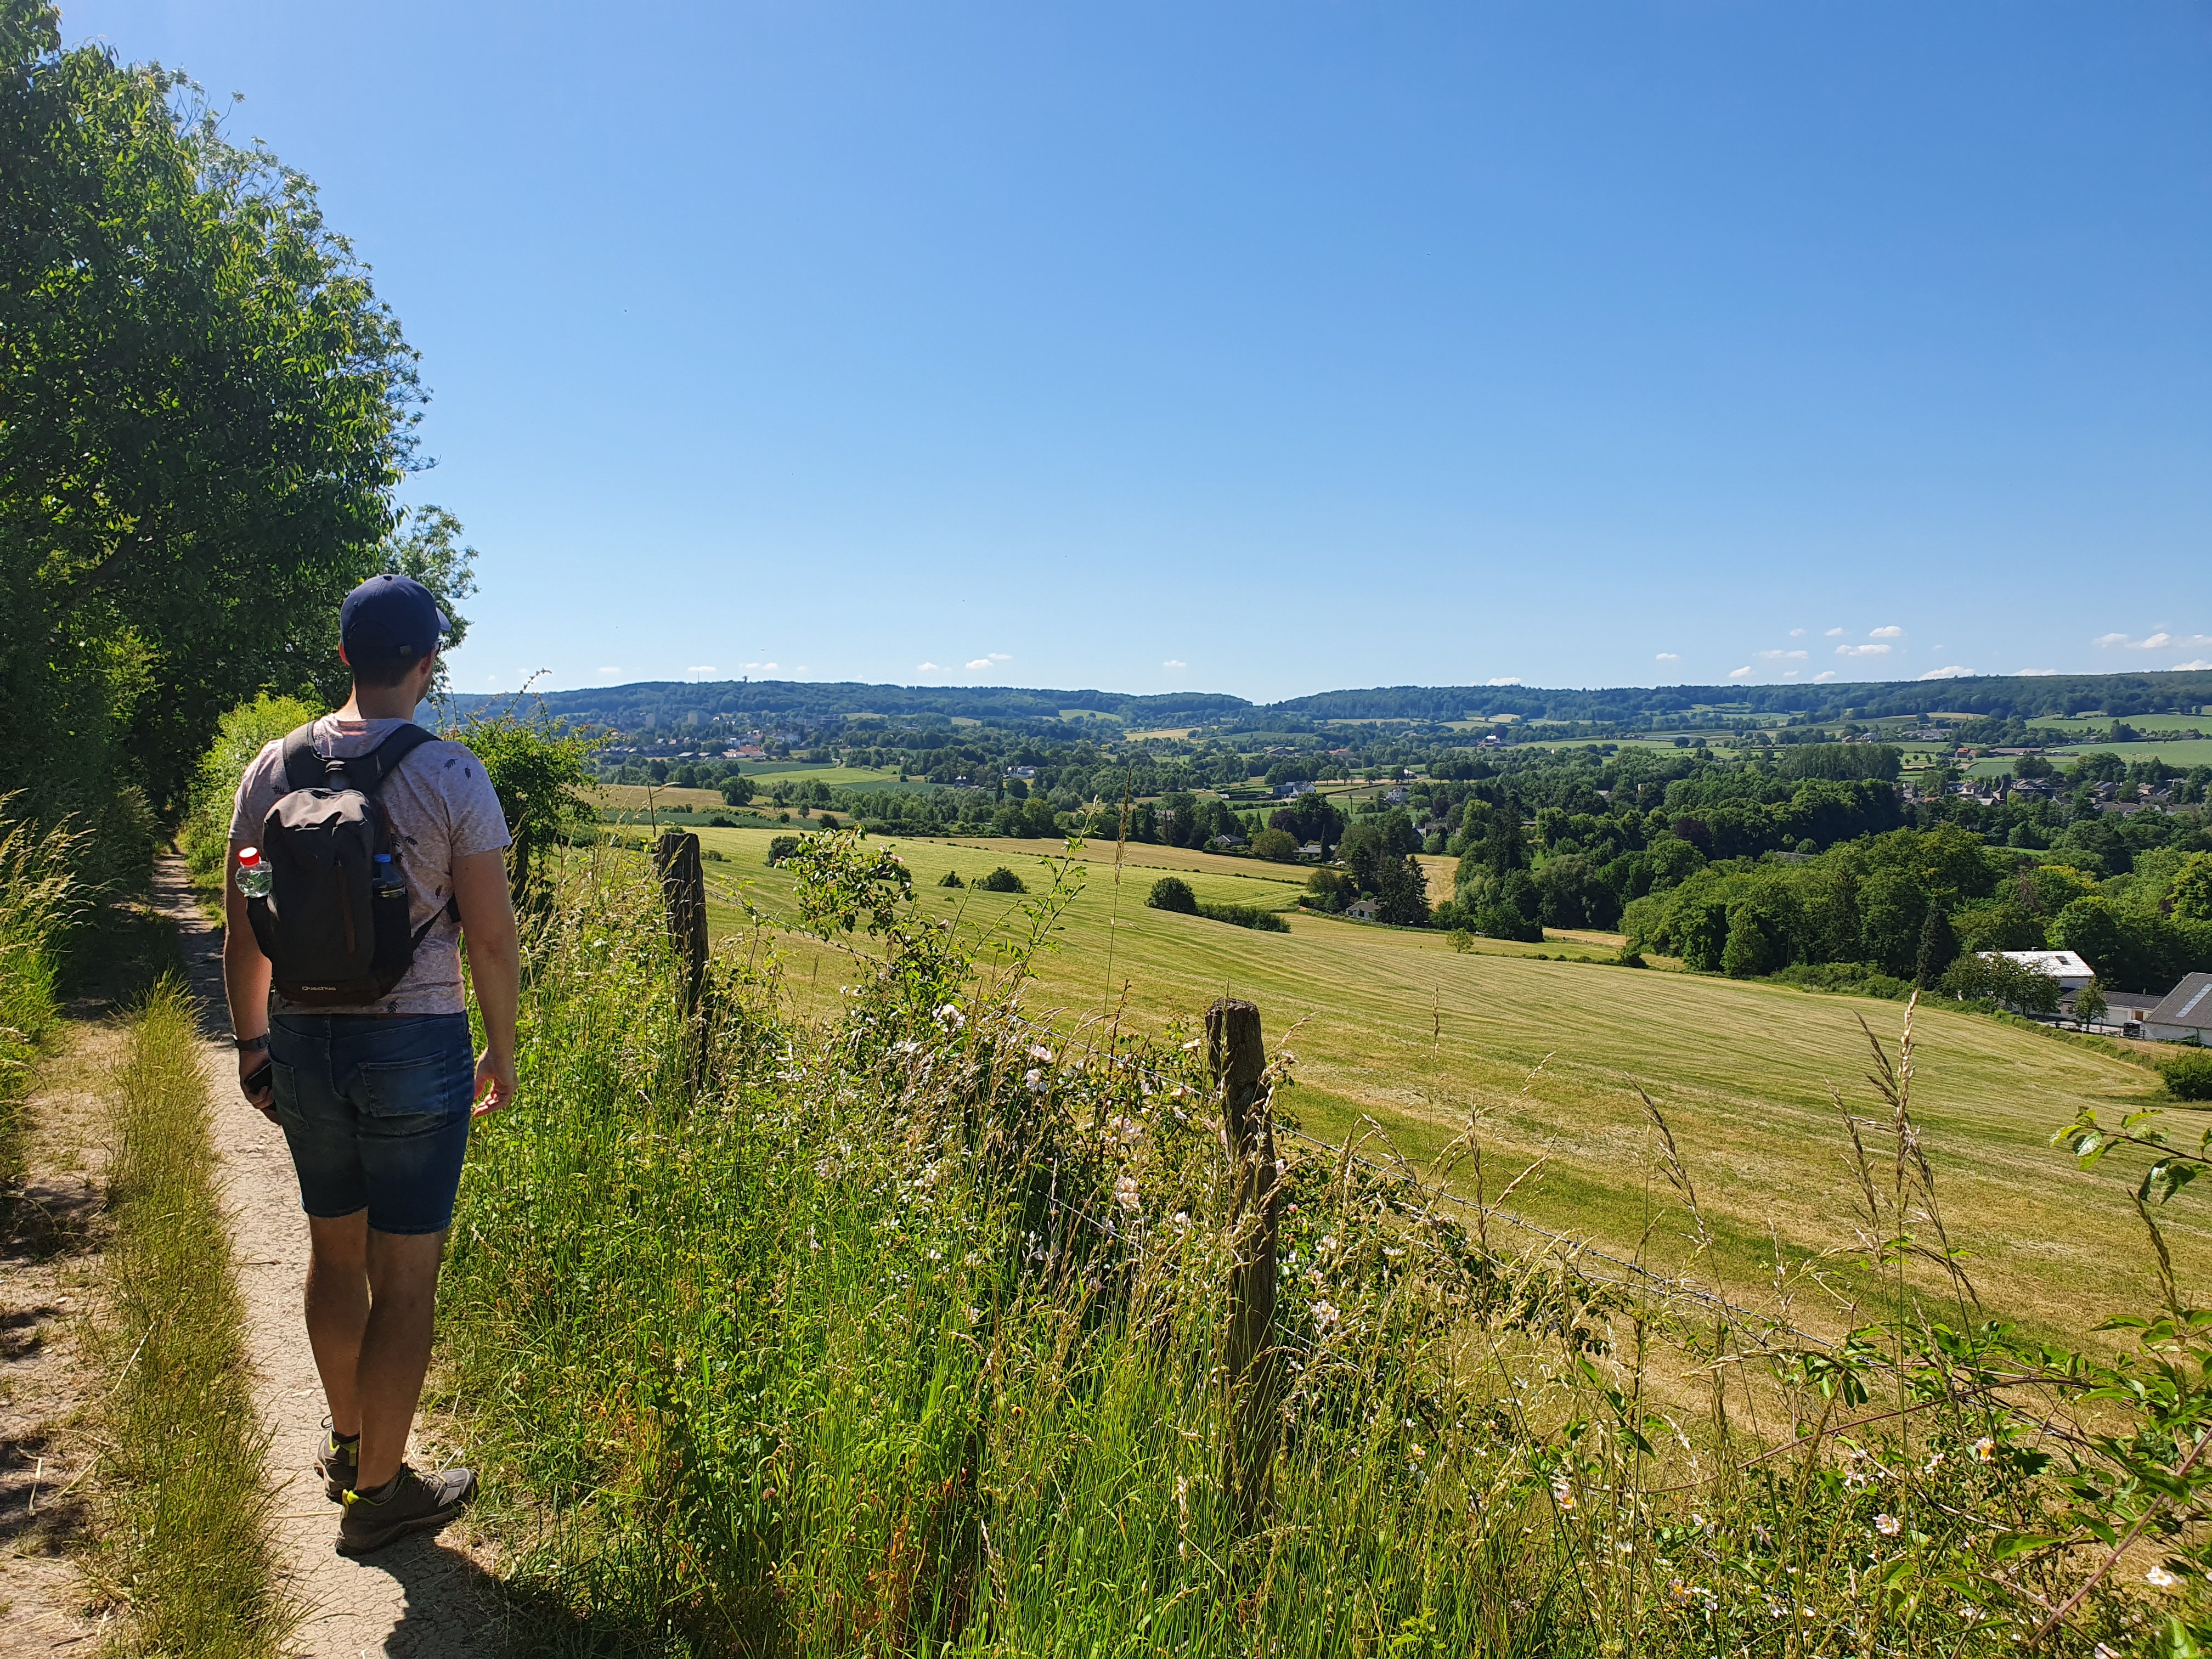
(442, 808)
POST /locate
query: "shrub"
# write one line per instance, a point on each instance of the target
(1173, 893)
(2188, 1077)
(1461, 940)
(1001, 880)
(1245, 916)
(780, 847)
(204, 837)
(951, 879)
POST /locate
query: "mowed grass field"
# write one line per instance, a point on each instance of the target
(1402, 1033)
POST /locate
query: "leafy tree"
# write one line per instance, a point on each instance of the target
(1401, 893)
(425, 543)
(780, 847)
(951, 878)
(2192, 892)
(542, 772)
(1001, 880)
(1748, 953)
(2032, 766)
(1276, 845)
(737, 789)
(1173, 893)
(2089, 1004)
(207, 411)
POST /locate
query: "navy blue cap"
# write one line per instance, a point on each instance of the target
(388, 619)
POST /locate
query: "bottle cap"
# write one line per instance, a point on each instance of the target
(384, 858)
(249, 856)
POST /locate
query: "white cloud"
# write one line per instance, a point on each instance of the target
(2201, 664)
(1825, 674)
(1780, 656)
(2031, 673)
(1503, 679)
(927, 668)
(1175, 662)
(491, 679)
(978, 664)
(1862, 650)
(1000, 656)
(1954, 673)
(1668, 656)
(1797, 633)
(703, 668)
(770, 668)
(1835, 634)
(802, 669)
(1742, 673)
(2159, 640)
(1893, 632)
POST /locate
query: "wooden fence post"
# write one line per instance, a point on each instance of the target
(684, 886)
(1237, 1056)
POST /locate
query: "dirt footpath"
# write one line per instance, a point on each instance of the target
(423, 1598)
(51, 1229)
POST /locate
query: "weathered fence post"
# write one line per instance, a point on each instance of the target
(684, 886)
(1238, 1058)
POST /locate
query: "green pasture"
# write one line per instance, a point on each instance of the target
(2096, 726)
(2174, 751)
(1398, 1033)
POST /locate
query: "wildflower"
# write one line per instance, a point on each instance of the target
(2159, 1579)
(1985, 1449)
(1886, 1525)
(1038, 1051)
(949, 1017)
(1679, 1594)
(1326, 1313)
(1127, 1130)
(1934, 1463)
(1125, 1190)
(1035, 1078)
(1415, 1448)
(1181, 1219)
(1563, 1495)
(1189, 1046)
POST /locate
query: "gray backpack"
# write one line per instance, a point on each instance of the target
(334, 926)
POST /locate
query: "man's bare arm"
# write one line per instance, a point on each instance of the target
(245, 980)
(495, 966)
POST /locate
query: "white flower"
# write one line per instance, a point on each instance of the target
(1182, 1218)
(1125, 1190)
(949, 1017)
(1035, 1078)
(1886, 1525)
(2159, 1579)
(1415, 1448)
(1326, 1313)
(1127, 1130)
(1985, 1449)
(1934, 1463)
(1189, 1046)
(1038, 1051)
(1563, 1494)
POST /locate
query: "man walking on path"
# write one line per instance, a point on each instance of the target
(375, 1099)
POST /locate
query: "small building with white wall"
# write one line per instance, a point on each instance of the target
(2185, 1015)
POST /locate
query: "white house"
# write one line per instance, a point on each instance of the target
(2064, 966)
(1362, 911)
(2185, 1016)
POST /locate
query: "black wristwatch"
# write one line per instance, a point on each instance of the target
(252, 1045)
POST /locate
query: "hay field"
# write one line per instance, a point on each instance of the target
(1402, 1032)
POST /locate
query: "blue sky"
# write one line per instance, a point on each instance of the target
(1271, 349)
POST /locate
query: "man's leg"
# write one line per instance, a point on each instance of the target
(337, 1311)
(395, 1348)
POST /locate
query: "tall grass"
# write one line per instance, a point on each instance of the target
(185, 1508)
(39, 899)
(901, 1334)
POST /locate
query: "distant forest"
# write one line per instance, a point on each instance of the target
(669, 702)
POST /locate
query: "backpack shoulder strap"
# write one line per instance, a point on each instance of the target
(303, 768)
(366, 773)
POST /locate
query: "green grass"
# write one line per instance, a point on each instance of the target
(183, 1497)
(1396, 1029)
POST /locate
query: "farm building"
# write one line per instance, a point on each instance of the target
(2064, 966)
(2185, 1016)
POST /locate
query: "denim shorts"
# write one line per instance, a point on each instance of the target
(376, 1112)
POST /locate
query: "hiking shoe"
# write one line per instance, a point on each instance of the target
(412, 1503)
(338, 1462)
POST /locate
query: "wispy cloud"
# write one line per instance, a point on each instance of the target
(1835, 634)
(2032, 673)
(1797, 633)
(1781, 656)
(1742, 673)
(1000, 656)
(1892, 632)
(1862, 650)
(1175, 662)
(1825, 674)
(1668, 656)
(610, 670)
(1502, 679)
(2201, 664)
(980, 665)
(1954, 673)
(2159, 640)
(927, 668)
(701, 668)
